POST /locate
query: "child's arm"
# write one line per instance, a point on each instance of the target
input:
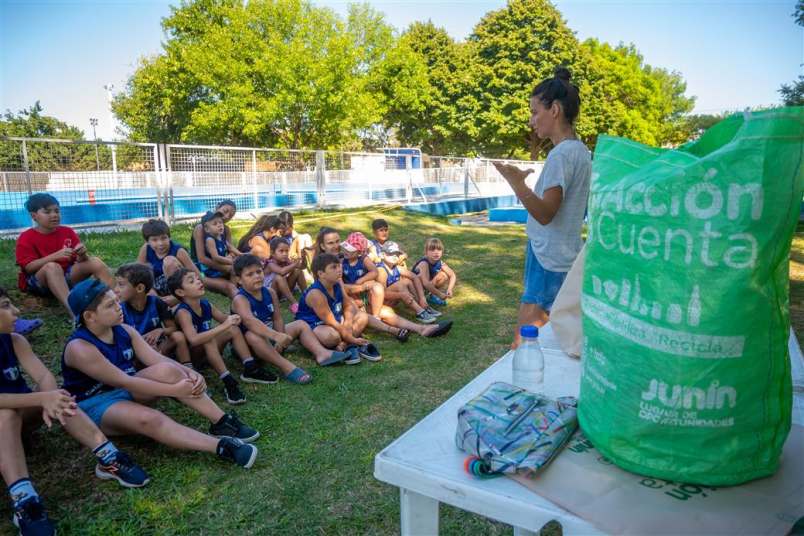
(371, 272)
(184, 258)
(194, 338)
(453, 278)
(36, 264)
(233, 250)
(318, 303)
(427, 283)
(200, 246)
(213, 253)
(374, 255)
(85, 357)
(241, 307)
(149, 356)
(283, 270)
(142, 256)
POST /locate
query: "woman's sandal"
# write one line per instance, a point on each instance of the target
(403, 335)
(442, 329)
(299, 376)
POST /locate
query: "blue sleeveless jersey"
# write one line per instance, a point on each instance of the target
(201, 323)
(393, 275)
(160, 281)
(352, 273)
(11, 380)
(263, 310)
(145, 320)
(221, 248)
(335, 303)
(432, 268)
(287, 239)
(119, 353)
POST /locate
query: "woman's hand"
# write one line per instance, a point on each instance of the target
(512, 174)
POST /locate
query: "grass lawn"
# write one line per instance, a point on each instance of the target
(314, 473)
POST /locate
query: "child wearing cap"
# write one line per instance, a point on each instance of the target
(200, 254)
(403, 285)
(51, 257)
(221, 253)
(21, 408)
(98, 369)
(195, 315)
(436, 277)
(163, 255)
(283, 274)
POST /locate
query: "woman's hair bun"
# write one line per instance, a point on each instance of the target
(562, 73)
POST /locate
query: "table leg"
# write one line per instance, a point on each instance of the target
(419, 514)
(523, 532)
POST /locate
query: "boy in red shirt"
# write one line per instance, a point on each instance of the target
(51, 257)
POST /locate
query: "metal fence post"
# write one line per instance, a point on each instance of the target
(409, 189)
(160, 192)
(466, 178)
(26, 167)
(254, 179)
(321, 178)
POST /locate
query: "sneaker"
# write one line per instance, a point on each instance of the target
(369, 352)
(354, 356)
(123, 469)
(232, 391)
(403, 335)
(425, 318)
(257, 374)
(234, 450)
(432, 312)
(31, 519)
(230, 425)
(435, 300)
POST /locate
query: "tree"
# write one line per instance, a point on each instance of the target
(280, 73)
(793, 93)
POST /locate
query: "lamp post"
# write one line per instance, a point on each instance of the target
(94, 122)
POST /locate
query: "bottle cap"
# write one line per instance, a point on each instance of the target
(529, 331)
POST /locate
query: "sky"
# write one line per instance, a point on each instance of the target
(732, 54)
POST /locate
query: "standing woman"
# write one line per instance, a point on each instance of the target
(557, 204)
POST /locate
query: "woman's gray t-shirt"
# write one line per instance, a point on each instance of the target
(568, 165)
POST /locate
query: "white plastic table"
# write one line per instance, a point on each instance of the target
(427, 467)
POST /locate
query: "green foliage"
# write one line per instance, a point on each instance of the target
(793, 93)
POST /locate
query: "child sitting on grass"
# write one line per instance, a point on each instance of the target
(146, 313)
(334, 319)
(257, 239)
(99, 371)
(360, 273)
(197, 253)
(194, 315)
(22, 409)
(436, 277)
(51, 257)
(300, 244)
(262, 324)
(163, 255)
(220, 252)
(403, 285)
(283, 274)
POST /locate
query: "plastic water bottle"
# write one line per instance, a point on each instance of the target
(528, 366)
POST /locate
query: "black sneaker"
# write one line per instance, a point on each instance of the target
(230, 425)
(232, 391)
(369, 352)
(257, 374)
(123, 469)
(234, 450)
(31, 519)
(354, 356)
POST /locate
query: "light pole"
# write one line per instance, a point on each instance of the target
(94, 122)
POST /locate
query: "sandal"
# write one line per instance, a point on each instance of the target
(403, 335)
(442, 329)
(299, 376)
(336, 357)
(24, 327)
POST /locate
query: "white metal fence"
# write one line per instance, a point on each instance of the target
(100, 183)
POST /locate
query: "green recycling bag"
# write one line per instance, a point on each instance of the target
(686, 374)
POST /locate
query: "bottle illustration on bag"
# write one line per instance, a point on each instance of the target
(629, 296)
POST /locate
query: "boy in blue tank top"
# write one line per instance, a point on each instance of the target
(262, 324)
(437, 278)
(163, 255)
(402, 285)
(220, 252)
(149, 315)
(194, 316)
(98, 369)
(20, 407)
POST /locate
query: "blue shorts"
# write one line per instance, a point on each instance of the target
(541, 285)
(96, 406)
(35, 287)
